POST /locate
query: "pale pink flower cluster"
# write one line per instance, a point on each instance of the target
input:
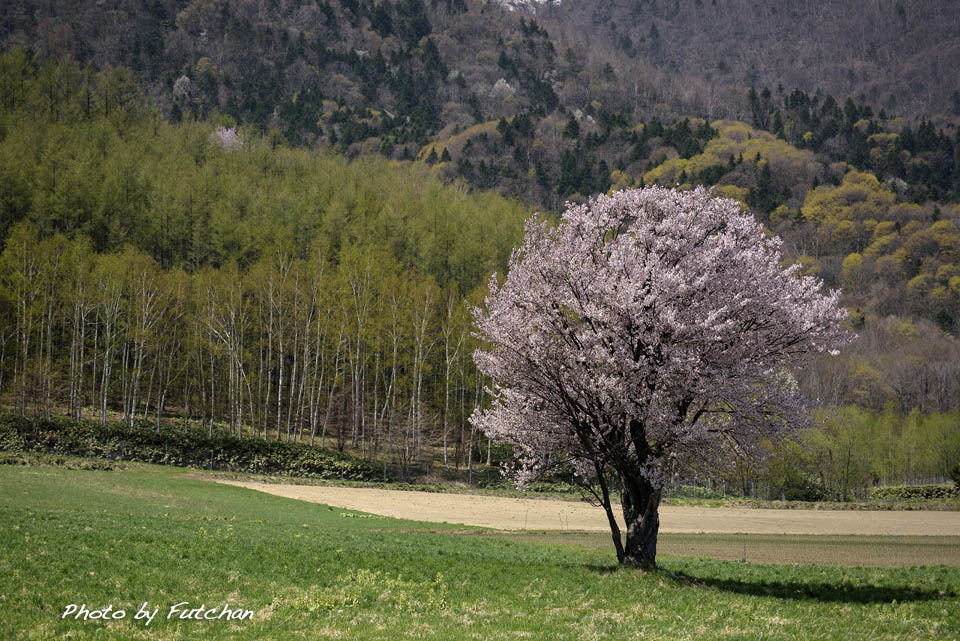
(228, 138)
(651, 331)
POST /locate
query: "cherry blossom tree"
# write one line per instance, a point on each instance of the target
(651, 333)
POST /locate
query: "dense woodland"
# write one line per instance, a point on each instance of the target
(272, 217)
(156, 267)
(546, 103)
(895, 55)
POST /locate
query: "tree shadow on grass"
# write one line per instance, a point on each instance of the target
(839, 591)
(600, 569)
(835, 592)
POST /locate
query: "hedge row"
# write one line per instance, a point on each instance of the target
(181, 446)
(42, 459)
(915, 492)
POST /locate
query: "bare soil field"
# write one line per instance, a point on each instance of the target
(781, 549)
(531, 514)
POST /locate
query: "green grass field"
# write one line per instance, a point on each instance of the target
(146, 534)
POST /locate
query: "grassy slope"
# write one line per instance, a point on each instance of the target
(145, 534)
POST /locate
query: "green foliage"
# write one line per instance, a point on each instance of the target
(889, 256)
(179, 446)
(859, 197)
(125, 176)
(34, 459)
(775, 163)
(850, 453)
(920, 156)
(914, 492)
(691, 492)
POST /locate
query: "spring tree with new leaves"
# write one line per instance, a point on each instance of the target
(652, 332)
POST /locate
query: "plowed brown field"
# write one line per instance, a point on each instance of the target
(531, 514)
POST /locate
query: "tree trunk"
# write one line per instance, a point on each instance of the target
(641, 513)
(611, 519)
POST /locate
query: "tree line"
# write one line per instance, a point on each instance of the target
(356, 353)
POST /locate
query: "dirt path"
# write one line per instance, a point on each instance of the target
(532, 514)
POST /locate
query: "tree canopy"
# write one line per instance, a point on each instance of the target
(652, 331)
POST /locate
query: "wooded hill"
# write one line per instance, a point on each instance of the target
(542, 108)
(894, 55)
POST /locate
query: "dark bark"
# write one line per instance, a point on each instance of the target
(641, 503)
(641, 513)
(611, 519)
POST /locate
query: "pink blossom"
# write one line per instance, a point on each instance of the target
(651, 331)
(229, 139)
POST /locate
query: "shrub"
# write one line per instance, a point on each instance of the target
(915, 492)
(177, 445)
(57, 460)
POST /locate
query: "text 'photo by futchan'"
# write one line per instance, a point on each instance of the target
(146, 614)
